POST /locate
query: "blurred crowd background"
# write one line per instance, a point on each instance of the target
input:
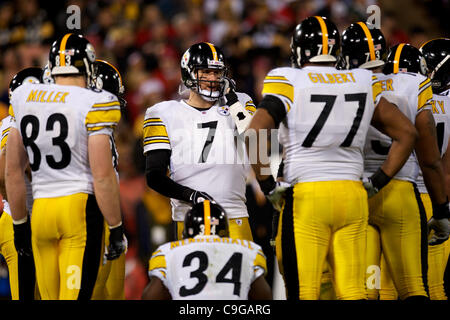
(145, 41)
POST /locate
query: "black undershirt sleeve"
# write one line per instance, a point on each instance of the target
(156, 165)
(275, 107)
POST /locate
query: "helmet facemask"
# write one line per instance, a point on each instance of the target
(210, 90)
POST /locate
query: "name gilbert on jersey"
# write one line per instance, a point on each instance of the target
(331, 77)
(44, 96)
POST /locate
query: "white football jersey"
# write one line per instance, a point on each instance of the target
(208, 267)
(55, 122)
(440, 106)
(206, 153)
(5, 126)
(328, 113)
(411, 93)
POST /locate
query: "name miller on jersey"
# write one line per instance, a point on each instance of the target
(244, 243)
(41, 96)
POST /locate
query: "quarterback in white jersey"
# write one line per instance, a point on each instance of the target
(207, 264)
(205, 154)
(198, 139)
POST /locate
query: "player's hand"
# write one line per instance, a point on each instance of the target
(22, 238)
(199, 196)
(230, 91)
(276, 195)
(117, 243)
(375, 182)
(439, 223)
(370, 188)
(441, 229)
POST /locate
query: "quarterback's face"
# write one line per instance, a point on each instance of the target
(209, 79)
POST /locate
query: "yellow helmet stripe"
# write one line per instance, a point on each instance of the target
(430, 41)
(62, 50)
(207, 217)
(323, 28)
(397, 57)
(369, 40)
(213, 50)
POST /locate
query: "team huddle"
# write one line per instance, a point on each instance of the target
(362, 185)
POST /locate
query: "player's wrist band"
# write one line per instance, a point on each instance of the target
(441, 211)
(115, 226)
(267, 185)
(20, 221)
(379, 179)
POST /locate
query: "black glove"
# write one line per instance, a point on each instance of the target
(375, 182)
(117, 243)
(230, 91)
(199, 196)
(22, 238)
(440, 224)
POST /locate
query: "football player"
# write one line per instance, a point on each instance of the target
(198, 138)
(207, 264)
(20, 264)
(63, 132)
(397, 221)
(108, 78)
(323, 115)
(437, 56)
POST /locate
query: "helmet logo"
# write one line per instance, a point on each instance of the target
(185, 59)
(423, 66)
(90, 51)
(99, 83)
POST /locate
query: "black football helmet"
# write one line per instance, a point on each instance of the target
(362, 47)
(206, 218)
(31, 75)
(315, 39)
(72, 54)
(404, 57)
(203, 55)
(107, 77)
(437, 55)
